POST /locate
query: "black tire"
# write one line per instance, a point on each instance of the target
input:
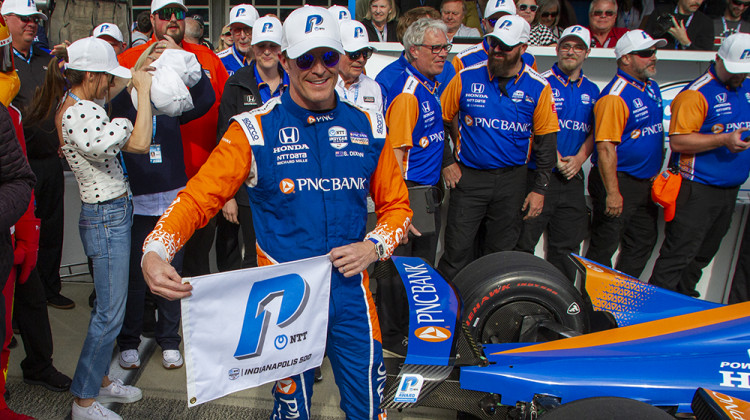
(500, 290)
(606, 408)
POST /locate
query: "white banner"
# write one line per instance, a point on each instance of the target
(249, 327)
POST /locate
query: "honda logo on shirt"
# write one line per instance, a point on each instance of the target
(425, 106)
(721, 98)
(289, 135)
(477, 88)
(637, 102)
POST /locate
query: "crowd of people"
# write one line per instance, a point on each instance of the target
(175, 147)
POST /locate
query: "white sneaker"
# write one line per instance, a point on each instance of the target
(171, 359)
(93, 412)
(129, 359)
(119, 393)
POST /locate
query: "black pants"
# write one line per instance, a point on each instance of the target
(168, 321)
(49, 193)
(228, 250)
(564, 216)
(741, 282)
(634, 231)
(30, 313)
(197, 249)
(491, 196)
(702, 218)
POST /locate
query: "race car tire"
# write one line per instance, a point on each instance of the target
(606, 408)
(500, 290)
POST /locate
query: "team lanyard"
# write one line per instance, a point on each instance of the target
(19, 55)
(687, 24)
(728, 31)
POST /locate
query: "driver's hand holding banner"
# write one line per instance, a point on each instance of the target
(245, 328)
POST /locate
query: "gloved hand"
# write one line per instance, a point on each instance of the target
(27, 247)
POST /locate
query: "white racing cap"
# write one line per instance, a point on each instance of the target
(735, 52)
(636, 40)
(494, 6)
(21, 8)
(308, 28)
(267, 28)
(245, 14)
(160, 4)
(95, 55)
(108, 29)
(511, 30)
(579, 32)
(354, 36)
(340, 12)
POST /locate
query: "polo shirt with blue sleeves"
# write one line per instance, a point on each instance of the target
(391, 72)
(413, 118)
(495, 129)
(232, 59)
(707, 106)
(478, 53)
(629, 114)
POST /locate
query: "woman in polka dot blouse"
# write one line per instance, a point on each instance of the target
(91, 144)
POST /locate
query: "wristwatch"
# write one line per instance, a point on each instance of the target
(379, 248)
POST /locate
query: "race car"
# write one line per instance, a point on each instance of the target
(511, 337)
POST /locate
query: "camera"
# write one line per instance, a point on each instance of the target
(663, 24)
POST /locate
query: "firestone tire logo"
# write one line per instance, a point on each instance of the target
(287, 186)
(286, 386)
(432, 334)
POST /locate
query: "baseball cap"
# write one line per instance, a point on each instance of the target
(579, 32)
(21, 8)
(244, 14)
(511, 30)
(109, 29)
(494, 6)
(308, 28)
(735, 52)
(160, 4)
(96, 55)
(664, 192)
(267, 28)
(636, 40)
(354, 36)
(340, 12)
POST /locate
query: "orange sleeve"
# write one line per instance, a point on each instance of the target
(457, 64)
(451, 98)
(218, 180)
(388, 191)
(689, 110)
(401, 118)
(610, 116)
(533, 65)
(545, 115)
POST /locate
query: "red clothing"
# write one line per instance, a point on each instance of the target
(612, 37)
(198, 136)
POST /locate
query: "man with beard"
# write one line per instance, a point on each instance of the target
(241, 20)
(565, 213)
(683, 25)
(629, 137)
(731, 21)
(501, 105)
(709, 141)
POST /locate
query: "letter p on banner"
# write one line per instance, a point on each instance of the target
(249, 327)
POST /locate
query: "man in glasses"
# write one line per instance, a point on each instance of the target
(241, 20)
(43, 286)
(181, 145)
(565, 214)
(501, 106)
(731, 21)
(602, 19)
(301, 221)
(353, 85)
(708, 135)
(629, 138)
(684, 26)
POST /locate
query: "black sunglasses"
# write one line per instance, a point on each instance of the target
(644, 53)
(741, 3)
(437, 48)
(531, 7)
(607, 13)
(550, 14)
(364, 52)
(29, 19)
(496, 43)
(167, 12)
(306, 61)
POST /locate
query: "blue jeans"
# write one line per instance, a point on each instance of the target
(105, 232)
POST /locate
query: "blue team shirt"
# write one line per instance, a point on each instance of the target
(478, 53)
(391, 72)
(232, 59)
(265, 90)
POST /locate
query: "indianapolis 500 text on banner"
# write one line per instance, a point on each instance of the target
(249, 327)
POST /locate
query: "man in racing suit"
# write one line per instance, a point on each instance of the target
(709, 143)
(308, 198)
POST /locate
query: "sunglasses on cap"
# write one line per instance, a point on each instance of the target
(29, 19)
(645, 53)
(167, 12)
(550, 14)
(496, 43)
(306, 61)
(741, 3)
(364, 52)
(531, 7)
(600, 13)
